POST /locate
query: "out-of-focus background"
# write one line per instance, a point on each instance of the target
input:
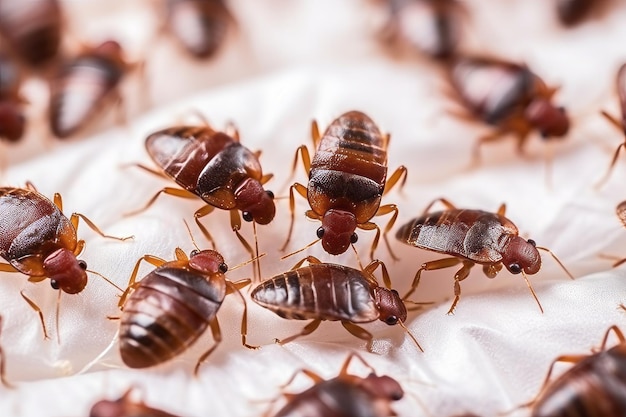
(281, 65)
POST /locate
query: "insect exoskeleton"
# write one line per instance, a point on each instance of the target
(347, 179)
(125, 406)
(472, 237)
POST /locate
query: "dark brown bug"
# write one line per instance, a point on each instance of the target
(472, 237)
(346, 182)
(32, 29)
(39, 241)
(215, 167)
(573, 12)
(343, 396)
(200, 26)
(166, 312)
(619, 123)
(125, 406)
(83, 85)
(332, 292)
(509, 97)
(12, 121)
(594, 387)
(432, 27)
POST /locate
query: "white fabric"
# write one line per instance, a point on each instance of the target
(285, 64)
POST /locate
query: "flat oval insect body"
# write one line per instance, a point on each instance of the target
(199, 25)
(12, 122)
(125, 406)
(82, 86)
(32, 29)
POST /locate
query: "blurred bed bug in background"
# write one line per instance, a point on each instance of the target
(199, 26)
(347, 179)
(509, 97)
(125, 406)
(83, 85)
(39, 241)
(32, 29)
(216, 167)
(594, 387)
(332, 292)
(573, 12)
(431, 27)
(12, 121)
(472, 237)
(619, 123)
(164, 313)
(345, 395)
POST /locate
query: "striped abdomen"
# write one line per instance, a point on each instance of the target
(319, 291)
(349, 168)
(167, 312)
(594, 387)
(477, 235)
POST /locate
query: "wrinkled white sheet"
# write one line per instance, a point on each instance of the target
(287, 63)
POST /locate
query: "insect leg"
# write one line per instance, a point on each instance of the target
(310, 259)
(312, 375)
(382, 210)
(201, 212)
(308, 329)
(235, 224)
(35, 307)
(369, 270)
(178, 192)
(606, 176)
(359, 332)
(74, 220)
(400, 172)
(217, 337)
(444, 201)
(458, 277)
(302, 190)
(233, 287)
(491, 137)
(152, 171)
(7, 268)
(616, 330)
(346, 363)
(156, 261)
(430, 266)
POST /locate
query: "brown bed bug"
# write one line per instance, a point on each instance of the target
(594, 387)
(12, 121)
(619, 123)
(346, 395)
(125, 406)
(216, 167)
(347, 179)
(39, 241)
(32, 29)
(323, 291)
(472, 237)
(573, 12)
(189, 291)
(508, 96)
(432, 27)
(83, 85)
(199, 26)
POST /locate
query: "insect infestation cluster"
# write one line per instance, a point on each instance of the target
(166, 309)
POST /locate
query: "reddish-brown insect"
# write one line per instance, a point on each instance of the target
(83, 86)
(200, 26)
(619, 123)
(572, 12)
(509, 97)
(12, 120)
(215, 167)
(125, 406)
(432, 27)
(39, 241)
(166, 312)
(472, 237)
(32, 29)
(594, 387)
(346, 182)
(343, 396)
(332, 292)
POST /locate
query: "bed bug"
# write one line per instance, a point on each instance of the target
(39, 241)
(12, 121)
(432, 27)
(323, 291)
(346, 182)
(170, 308)
(573, 12)
(346, 395)
(83, 85)
(619, 123)
(125, 406)
(472, 237)
(199, 26)
(32, 29)
(594, 387)
(508, 96)
(216, 167)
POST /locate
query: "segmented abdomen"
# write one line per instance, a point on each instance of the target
(168, 311)
(319, 291)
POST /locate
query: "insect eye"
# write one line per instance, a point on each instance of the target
(320, 232)
(223, 268)
(394, 292)
(354, 238)
(391, 320)
(247, 216)
(532, 242)
(54, 284)
(515, 268)
(82, 264)
(194, 252)
(270, 194)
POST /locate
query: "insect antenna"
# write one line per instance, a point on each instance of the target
(246, 262)
(104, 278)
(256, 251)
(358, 258)
(300, 250)
(193, 241)
(557, 261)
(410, 335)
(530, 287)
(56, 318)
